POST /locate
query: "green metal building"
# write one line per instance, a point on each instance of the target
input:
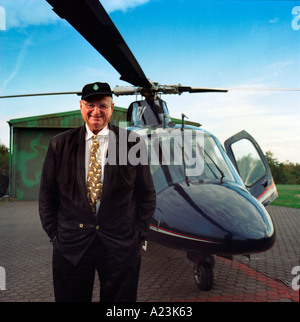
(29, 140)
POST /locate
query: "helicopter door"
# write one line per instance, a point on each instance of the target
(250, 162)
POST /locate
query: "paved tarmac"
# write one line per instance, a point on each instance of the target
(166, 275)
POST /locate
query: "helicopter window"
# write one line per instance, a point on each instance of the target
(172, 157)
(159, 179)
(203, 159)
(165, 163)
(151, 112)
(248, 161)
(215, 165)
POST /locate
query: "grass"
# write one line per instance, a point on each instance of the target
(288, 196)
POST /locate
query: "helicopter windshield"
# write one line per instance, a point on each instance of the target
(148, 112)
(195, 158)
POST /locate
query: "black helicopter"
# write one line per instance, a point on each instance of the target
(210, 200)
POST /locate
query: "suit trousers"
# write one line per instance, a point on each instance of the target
(118, 282)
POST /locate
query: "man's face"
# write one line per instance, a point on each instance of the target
(96, 112)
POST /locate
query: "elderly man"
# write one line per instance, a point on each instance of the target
(96, 214)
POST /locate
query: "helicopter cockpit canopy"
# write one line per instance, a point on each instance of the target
(149, 112)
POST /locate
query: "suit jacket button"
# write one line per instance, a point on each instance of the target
(80, 225)
(97, 227)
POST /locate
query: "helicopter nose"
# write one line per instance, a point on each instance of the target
(226, 217)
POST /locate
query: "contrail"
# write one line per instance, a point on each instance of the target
(20, 60)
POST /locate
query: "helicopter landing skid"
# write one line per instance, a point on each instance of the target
(203, 270)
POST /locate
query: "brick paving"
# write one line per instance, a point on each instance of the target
(166, 275)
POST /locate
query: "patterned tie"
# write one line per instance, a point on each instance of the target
(94, 183)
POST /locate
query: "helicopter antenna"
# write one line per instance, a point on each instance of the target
(182, 149)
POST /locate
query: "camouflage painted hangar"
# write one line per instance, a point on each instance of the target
(29, 140)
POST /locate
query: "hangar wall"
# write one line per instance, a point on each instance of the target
(29, 140)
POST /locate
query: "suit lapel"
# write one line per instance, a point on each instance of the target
(81, 168)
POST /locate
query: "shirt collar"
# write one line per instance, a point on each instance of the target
(89, 134)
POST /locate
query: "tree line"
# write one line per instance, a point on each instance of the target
(283, 173)
(4, 169)
(4, 159)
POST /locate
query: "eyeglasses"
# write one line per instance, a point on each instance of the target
(91, 106)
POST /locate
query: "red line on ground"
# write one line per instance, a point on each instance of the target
(279, 290)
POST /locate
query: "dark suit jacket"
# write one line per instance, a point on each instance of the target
(127, 204)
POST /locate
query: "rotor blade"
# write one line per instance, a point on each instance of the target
(126, 90)
(257, 89)
(216, 90)
(91, 20)
(40, 94)
(201, 90)
(118, 91)
(166, 89)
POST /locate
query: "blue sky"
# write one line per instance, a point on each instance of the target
(227, 44)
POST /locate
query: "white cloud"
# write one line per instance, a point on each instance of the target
(274, 20)
(23, 13)
(123, 5)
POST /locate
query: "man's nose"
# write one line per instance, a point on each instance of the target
(97, 110)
